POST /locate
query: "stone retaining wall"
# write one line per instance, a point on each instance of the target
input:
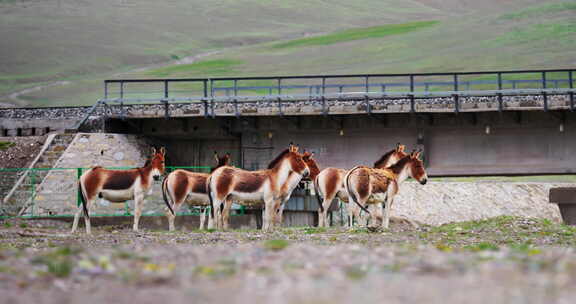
(437, 203)
(57, 194)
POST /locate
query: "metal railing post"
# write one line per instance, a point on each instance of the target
(279, 86)
(324, 109)
(212, 97)
(544, 80)
(105, 89)
(571, 86)
(455, 82)
(165, 88)
(121, 89)
(500, 99)
(412, 101)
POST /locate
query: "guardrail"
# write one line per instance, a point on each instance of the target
(204, 88)
(209, 91)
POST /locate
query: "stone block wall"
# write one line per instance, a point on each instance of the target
(437, 203)
(58, 192)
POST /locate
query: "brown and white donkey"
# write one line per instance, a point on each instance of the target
(263, 187)
(182, 185)
(119, 186)
(294, 180)
(330, 184)
(372, 187)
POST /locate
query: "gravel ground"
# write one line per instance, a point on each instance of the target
(500, 260)
(22, 152)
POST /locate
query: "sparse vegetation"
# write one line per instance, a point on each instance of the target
(543, 9)
(5, 145)
(269, 38)
(239, 261)
(275, 245)
(357, 34)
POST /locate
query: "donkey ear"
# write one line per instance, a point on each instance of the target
(153, 150)
(417, 156)
(291, 147)
(216, 157)
(163, 150)
(401, 148)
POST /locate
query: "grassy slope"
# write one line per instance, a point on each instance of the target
(250, 35)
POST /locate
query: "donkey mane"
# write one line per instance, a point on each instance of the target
(280, 156)
(384, 158)
(221, 163)
(397, 167)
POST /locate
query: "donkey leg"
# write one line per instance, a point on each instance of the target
(217, 207)
(211, 219)
(138, 200)
(76, 219)
(226, 214)
(87, 217)
(387, 212)
(268, 218)
(171, 217)
(202, 217)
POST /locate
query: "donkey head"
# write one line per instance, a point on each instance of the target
(416, 167)
(296, 161)
(221, 160)
(312, 165)
(391, 157)
(157, 163)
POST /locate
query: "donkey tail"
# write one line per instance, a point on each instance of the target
(318, 193)
(83, 199)
(209, 191)
(351, 193)
(165, 194)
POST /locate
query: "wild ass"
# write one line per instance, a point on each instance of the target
(330, 184)
(119, 186)
(182, 185)
(254, 187)
(292, 183)
(370, 186)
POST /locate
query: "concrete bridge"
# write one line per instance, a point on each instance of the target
(477, 123)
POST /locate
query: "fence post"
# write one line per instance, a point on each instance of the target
(33, 186)
(544, 80)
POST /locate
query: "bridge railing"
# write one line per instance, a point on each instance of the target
(201, 89)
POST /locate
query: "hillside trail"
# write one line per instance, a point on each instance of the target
(13, 99)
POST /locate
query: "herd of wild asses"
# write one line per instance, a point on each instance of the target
(362, 188)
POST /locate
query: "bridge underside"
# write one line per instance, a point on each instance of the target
(468, 143)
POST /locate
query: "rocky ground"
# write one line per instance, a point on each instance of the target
(500, 260)
(18, 152)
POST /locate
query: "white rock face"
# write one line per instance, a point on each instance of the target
(437, 203)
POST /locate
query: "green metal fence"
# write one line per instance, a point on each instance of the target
(53, 192)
